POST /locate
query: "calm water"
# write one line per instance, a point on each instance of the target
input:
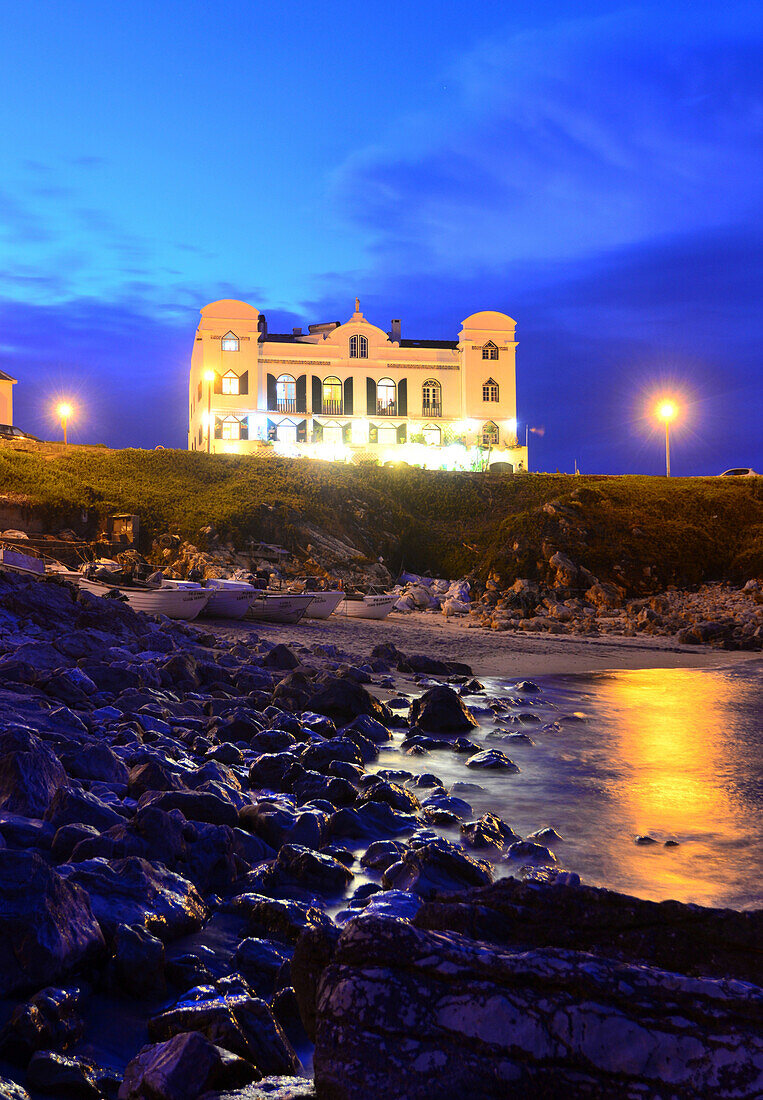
(673, 753)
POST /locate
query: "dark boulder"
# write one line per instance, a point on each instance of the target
(73, 807)
(30, 773)
(277, 825)
(50, 1020)
(259, 961)
(317, 871)
(137, 966)
(318, 757)
(332, 788)
(95, 761)
(194, 806)
(47, 926)
(441, 710)
(280, 919)
(62, 1076)
(183, 1068)
(343, 700)
(436, 867)
(488, 831)
(380, 790)
(135, 892)
(492, 760)
(280, 656)
(153, 775)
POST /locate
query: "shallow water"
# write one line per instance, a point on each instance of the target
(676, 754)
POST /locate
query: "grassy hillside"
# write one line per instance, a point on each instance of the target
(651, 531)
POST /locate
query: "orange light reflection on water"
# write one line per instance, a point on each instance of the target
(678, 778)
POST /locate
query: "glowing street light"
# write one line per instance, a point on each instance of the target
(64, 411)
(209, 377)
(667, 411)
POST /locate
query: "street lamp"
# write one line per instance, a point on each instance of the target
(209, 377)
(64, 411)
(666, 411)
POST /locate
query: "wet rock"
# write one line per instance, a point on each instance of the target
(483, 1021)
(492, 760)
(381, 854)
(319, 757)
(317, 871)
(369, 728)
(333, 789)
(280, 656)
(546, 835)
(280, 919)
(343, 700)
(436, 867)
(30, 773)
(153, 775)
(269, 770)
(259, 961)
(50, 1020)
(370, 819)
(488, 831)
(182, 1069)
(277, 825)
(67, 838)
(530, 852)
(133, 891)
(645, 841)
(313, 952)
(69, 807)
(95, 761)
(194, 806)
(270, 1088)
(137, 966)
(464, 746)
(63, 1076)
(9, 1090)
(242, 1024)
(395, 796)
(441, 710)
(47, 926)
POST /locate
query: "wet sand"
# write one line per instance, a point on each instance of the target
(490, 653)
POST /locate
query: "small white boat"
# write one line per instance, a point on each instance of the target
(173, 600)
(55, 568)
(366, 607)
(276, 607)
(323, 604)
(228, 599)
(18, 562)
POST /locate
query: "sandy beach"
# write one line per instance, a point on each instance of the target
(501, 654)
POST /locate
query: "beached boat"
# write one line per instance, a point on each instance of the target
(323, 604)
(17, 561)
(358, 606)
(228, 599)
(55, 568)
(174, 602)
(276, 607)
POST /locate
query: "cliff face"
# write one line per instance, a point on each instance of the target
(641, 534)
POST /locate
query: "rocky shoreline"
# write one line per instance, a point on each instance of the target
(200, 878)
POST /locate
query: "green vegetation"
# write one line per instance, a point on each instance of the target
(641, 531)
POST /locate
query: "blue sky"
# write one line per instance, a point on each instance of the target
(592, 169)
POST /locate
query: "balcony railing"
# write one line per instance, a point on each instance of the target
(286, 405)
(331, 408)
(431, 408)
(386, 408)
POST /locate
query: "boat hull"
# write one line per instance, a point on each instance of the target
(370, 607)
(324, 603)
(175, 603)
(273, 608)
(229, 603)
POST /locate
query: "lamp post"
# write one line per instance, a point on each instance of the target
(666, 411)
(64, 411)
(209, 377)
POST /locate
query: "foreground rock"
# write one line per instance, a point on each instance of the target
(410, 1014)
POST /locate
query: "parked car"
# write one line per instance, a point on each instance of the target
(739, 471)
(10, 431)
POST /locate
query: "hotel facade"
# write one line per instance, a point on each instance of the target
(342, 390)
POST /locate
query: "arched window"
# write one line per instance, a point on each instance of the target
(230, 342)
(489, 350)
(230, 382)
(490, 434)
(386, 405)
(358, 347)
(286, 432)
(432, 435)
(431, 398)
(231, 426)
(286, 394)
(332, 432)
(331, 401)
(490, 390)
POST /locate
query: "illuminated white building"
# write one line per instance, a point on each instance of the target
(343, 389)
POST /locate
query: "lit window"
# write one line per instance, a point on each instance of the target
(431, 398)
(286, 432)
(385, 398)
(490, 351)
(490, 390)
(490, 434)
(332, 433)
(432, 435)
(358, 347)
(332, 397)
(387, 436)
(230, 342)
(286, 394)
(231, 426)
(230, 382)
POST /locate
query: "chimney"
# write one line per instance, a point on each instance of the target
(296, 332)
(394, 334)
(262, 325)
